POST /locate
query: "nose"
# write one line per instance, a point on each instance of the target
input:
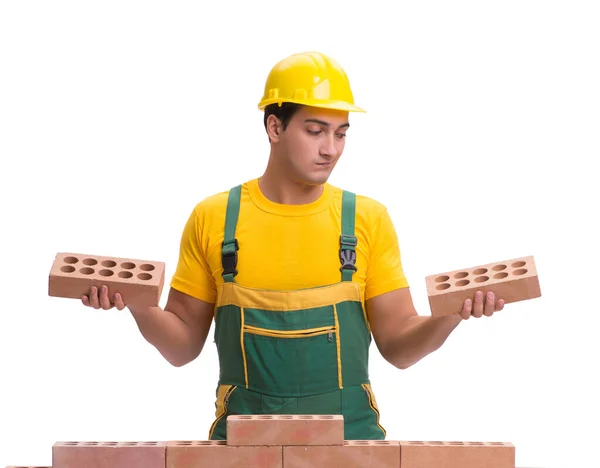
(328, 146)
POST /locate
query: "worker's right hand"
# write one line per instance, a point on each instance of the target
(100, 300)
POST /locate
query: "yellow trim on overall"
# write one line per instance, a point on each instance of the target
(242, 345)
(265, 299)
(223, 394)
(373, 404)
(337, 344)
(287, 333)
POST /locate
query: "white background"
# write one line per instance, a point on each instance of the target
(116, 118)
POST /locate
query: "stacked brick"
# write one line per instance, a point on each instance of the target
(283, 441)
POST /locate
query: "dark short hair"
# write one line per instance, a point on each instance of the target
(283, 113)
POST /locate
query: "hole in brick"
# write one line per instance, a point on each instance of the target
(500, 275)
(416, 442)
(146, 267)
(70, 260)
(148, 443)
(264, 416)
(210, 442)
(518, 264)
(106, 272)
(286, 416)
(461, 274)
(496, 443)
(305, 416)
(326, 416)
(382, 442)
(442, 286)
(480, 271)
(442, 279)
(125, 274)
(499, 267)
(130, 443)
(144, 276)
(482, 279)
(67, 269)
(519, 272)
(475, 443)
(71, 443)
(456, 443)
(435, 442)
(89, 261)
(244, 417)
(128, 265)
(90, 443)
(183, 442)
(109, 444)
(462, 282)
(86, 271)
(109, 263)
(361, 442)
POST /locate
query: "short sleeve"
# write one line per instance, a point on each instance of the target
(385, 272)
(193, 274)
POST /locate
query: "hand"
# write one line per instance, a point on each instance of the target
(477, 307)
(97, 301)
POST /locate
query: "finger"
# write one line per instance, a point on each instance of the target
(478, 304)
(104, 301)
(499, 304)
(490, 304)
(119, 304)
(94, 297)
(465, 313)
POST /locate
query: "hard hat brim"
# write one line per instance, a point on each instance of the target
(334, 105)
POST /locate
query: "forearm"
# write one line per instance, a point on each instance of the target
(167, 333)
(421, 336)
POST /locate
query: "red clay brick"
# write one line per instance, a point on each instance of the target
(285, 429)
(353, 454)
(512, 280)
(140, 282)
(217, 454)
(459, 454)
(108, 455)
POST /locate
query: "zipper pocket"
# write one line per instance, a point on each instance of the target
(290, 333)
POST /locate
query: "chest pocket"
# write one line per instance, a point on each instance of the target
(292, 353)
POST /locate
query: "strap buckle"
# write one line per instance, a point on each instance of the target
(347, 252)
(230, 258)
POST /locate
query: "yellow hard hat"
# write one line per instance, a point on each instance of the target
(312, 79)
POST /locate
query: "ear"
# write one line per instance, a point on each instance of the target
(274, 128)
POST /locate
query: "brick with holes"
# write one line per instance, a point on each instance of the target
(140, 282)
(109, 454)
(512, 280)
(285, 429)
(352, 454)
(456, 454)
(216, 453)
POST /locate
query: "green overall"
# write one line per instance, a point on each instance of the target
(294, 352)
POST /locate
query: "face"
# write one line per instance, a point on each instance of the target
(311, 145)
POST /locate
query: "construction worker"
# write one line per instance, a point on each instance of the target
(296, 274)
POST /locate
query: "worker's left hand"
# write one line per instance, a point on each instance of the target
(481, 306)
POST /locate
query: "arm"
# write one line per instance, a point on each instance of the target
(402, 336)
(179, 331)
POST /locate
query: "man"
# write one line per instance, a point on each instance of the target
(297, 275)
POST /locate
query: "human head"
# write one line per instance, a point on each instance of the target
(306, 142)
(303, 86)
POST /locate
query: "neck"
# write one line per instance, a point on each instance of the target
(279, 187)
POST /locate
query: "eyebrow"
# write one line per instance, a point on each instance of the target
(322, 122)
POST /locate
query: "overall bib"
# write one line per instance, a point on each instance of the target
(298, 351)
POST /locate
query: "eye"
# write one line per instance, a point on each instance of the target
(314, 132)
(341, 135)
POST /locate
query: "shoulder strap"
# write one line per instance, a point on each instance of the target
(229, 256)
(348, 241)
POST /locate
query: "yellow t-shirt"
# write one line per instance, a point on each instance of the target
(285, 247)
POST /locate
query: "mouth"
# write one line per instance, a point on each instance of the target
(324, 164)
